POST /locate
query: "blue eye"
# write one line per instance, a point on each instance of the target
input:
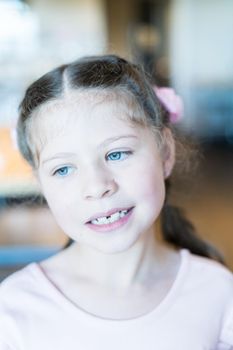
(63, 171)
(118, 155)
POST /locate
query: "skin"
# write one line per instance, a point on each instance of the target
(94, 174)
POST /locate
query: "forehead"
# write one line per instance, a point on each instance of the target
(88, 109)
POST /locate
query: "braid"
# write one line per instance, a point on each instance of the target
(68, 243)
(179, 231)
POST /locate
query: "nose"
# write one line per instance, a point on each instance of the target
(98, 183)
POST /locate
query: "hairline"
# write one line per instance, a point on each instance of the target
(70, 93)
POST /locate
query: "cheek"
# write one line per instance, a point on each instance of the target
(57, 201)
(57, 208)
(153, 191)
(64, 203)
(61, 213)
(147, 180)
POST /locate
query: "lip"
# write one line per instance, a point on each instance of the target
(107, 213)
(106, 228)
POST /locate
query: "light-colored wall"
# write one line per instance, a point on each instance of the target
(73, 28)
(201, 41)
(201, 46)
(38, 37)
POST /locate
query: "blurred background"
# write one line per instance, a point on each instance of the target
(186, 44)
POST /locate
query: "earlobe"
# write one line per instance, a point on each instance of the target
(168, 153)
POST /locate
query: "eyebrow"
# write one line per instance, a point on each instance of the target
(116, 138)
(106, 142)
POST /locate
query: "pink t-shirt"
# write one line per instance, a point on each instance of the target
(196, 314)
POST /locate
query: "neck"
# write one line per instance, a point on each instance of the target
(139, 266)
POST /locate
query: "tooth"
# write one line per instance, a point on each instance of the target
(123, 213)
(110, 219)
(115, 217)
(100, 221)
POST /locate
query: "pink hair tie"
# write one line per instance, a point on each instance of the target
(171, 102)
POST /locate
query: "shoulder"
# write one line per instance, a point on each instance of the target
(18, 292)
(25, 289)
(212, 286)
(207, 289)
(19, 281)
(32, 311)
(210, 273)
(208, 284)
(15, 298)
(27, 301)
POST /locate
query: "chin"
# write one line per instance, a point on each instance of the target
(120, 245)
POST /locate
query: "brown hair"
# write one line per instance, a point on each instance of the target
(110, 72)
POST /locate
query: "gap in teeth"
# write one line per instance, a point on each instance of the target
(110, 219)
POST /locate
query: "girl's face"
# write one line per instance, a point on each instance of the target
(94, 166)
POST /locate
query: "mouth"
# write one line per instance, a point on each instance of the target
(111, 221)
(109, 218)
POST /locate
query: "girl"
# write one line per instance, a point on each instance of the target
(102, 148)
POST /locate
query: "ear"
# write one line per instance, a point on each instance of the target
(168, 152)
